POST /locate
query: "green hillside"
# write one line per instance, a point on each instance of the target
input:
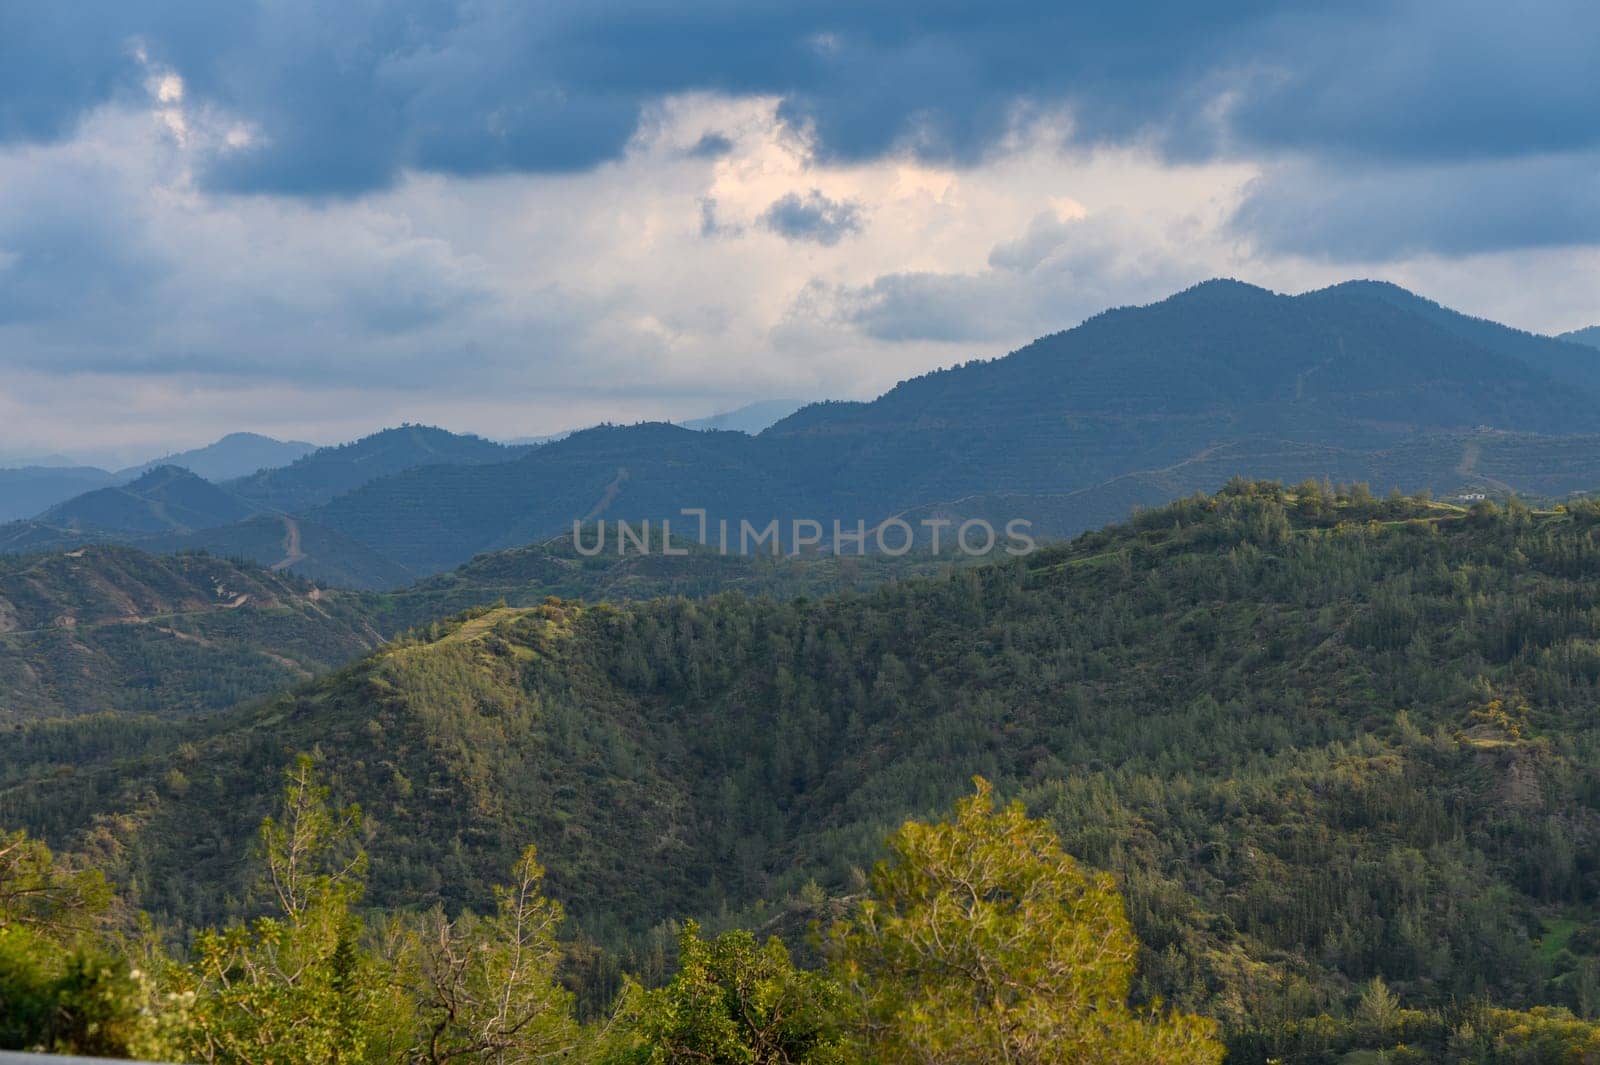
(113, 629)
(1317, 740)
(166, 499)
(526, 576)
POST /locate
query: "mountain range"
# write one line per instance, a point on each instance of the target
(1362, 381)
(1337, 751)
(169, 508)
(25, 491)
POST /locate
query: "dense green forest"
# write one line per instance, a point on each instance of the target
(980, 939)
(1337, 752)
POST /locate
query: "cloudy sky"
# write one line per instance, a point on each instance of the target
(315, 219)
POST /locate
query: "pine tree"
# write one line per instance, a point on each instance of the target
(983, 941)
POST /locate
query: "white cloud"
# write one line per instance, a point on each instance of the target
(140, 310)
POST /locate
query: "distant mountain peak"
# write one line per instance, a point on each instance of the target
(751, 418)
(327, 472)
(1370, 284)
(1227, 284)
(1215, 288)
(160, 476)
(242, 437)
(407, 433)
(235, 455)
(160, 500)
(1387, 291)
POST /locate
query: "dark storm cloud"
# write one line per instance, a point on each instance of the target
(1374, 214)
(72, 247)
(347, 95)
(1429, 81)
(811, 217)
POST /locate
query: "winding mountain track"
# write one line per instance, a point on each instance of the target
(291, 546)
(152, 620)
(610, 496)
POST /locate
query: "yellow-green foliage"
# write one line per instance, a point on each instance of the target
(982, 940)
(732, 1001)
(62, 988)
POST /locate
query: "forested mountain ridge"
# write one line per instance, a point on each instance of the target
(1360, 382)
(527, 576)
(165, 499)
(332, 471)
(436, 518)
(163, 505)
(169, 508)
(1359, 353)
(1317, 740)
(1574, 366)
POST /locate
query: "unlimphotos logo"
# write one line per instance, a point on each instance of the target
(893, 537)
